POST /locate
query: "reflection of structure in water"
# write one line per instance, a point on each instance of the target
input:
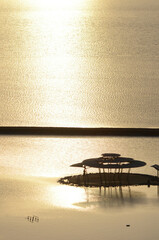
(109, 162)
(112, 197)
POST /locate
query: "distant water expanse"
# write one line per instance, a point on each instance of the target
(79, 63)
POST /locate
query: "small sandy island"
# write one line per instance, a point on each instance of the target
(110, 179)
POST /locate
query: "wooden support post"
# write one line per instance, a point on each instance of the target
(104, 177)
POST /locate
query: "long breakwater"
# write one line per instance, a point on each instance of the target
(77, 131)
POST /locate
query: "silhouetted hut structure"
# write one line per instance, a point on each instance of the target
(110, 161)
(112, 165)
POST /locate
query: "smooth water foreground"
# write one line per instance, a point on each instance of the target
(66, 212)
(30, 168)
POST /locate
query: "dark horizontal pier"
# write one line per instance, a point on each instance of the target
(74, 131)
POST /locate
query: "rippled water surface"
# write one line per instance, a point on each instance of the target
(52, 156)
(79, 63)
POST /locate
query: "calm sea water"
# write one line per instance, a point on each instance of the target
(68, 212)
(52, 157)
(79, 63)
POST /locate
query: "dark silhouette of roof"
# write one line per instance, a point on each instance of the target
(156, 166)
(110, 161)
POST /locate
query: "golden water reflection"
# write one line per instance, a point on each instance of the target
(52, 157)
(54, 39)
(67, 209)
(66, 196)
(54, 4)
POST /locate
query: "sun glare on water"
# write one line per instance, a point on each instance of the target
(66, 196)
(54, 4)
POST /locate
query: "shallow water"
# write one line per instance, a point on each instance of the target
(66, 212)
(30, 168)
